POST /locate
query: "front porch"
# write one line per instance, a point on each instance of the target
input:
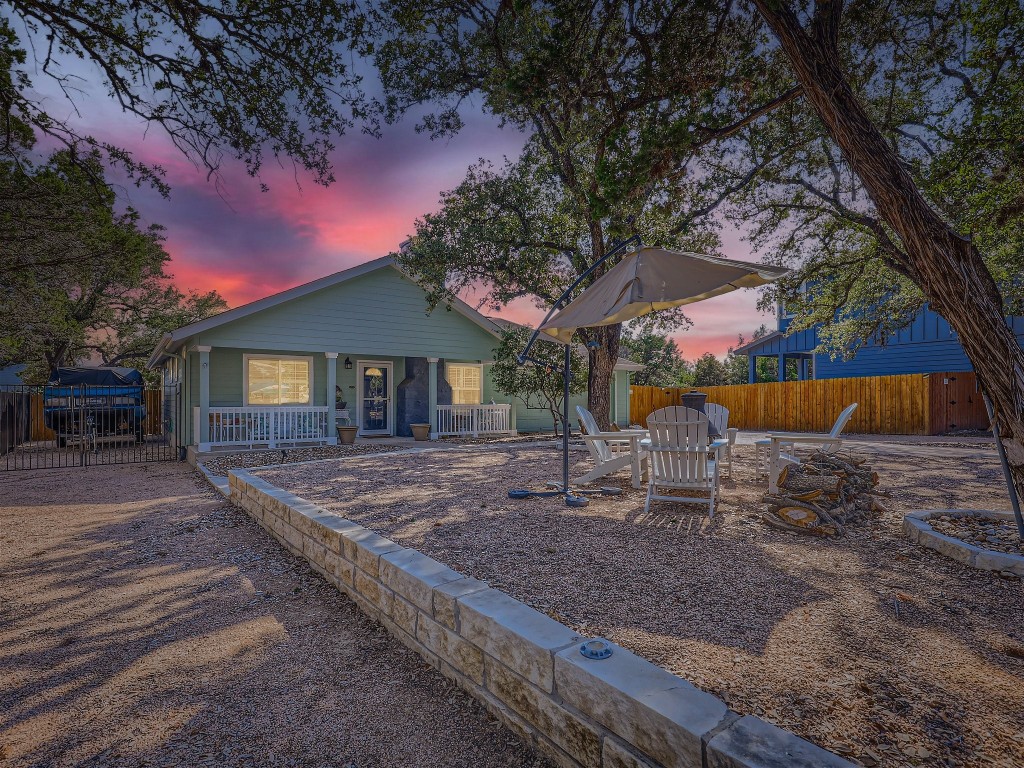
(257, 398)
(283, 426)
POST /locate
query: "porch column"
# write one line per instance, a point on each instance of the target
(782, 367)
(432, 395)
(332, 373)
(751, 369)
(203, 438)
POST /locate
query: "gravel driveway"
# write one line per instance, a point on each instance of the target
(870, 646)
(144, 622)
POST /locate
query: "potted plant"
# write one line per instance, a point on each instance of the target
(347, 434)
(420, 431)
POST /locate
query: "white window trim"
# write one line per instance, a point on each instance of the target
(245, 379)
(479, 366)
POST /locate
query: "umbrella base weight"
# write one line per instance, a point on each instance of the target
(575, 497)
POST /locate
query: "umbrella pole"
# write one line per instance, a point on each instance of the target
(524, 358)
(1011, 489)
(565, 419)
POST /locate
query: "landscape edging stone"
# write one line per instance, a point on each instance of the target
(523, 666)
(919, 530)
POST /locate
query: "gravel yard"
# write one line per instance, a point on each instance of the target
(874, 648)
(221, 465)
(145, 622)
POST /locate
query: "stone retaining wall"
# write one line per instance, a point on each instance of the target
(526, 668)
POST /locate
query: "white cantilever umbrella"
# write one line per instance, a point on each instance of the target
(652, 279)
(646, 280)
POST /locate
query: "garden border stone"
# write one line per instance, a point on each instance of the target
(523, 666)
(919, 530)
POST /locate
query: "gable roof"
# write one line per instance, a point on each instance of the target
(171, 342)
(750, 346)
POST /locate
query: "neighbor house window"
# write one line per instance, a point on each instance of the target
(467, 383)
(278, 380)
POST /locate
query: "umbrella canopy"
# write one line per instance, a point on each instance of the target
(653, 279)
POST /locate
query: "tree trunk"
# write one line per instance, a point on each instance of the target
(602, 370)
(947, 267)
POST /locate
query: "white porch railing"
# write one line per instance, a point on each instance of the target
(266, 425)
(473, 419)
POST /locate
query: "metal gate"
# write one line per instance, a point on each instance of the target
(77, 426)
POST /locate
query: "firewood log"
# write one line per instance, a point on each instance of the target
(797, 483)
(818, 530)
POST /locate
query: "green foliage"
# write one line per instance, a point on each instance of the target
(943, 82)
(659, 355)
(738, 366)
(617, 101)
(79, 280)
(537, 386)
(221, 77)
(709, 371)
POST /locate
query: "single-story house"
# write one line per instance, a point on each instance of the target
(357, 347)
(927, 344)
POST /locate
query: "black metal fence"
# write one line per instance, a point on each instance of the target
(77, 426)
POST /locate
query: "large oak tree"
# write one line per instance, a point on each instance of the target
(918, 225)
(617, 98)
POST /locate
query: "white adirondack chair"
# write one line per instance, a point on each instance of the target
(829, 442)
(719, 416)
(680, 458)
(612, 451)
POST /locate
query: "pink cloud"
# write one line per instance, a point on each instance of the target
(247, 244)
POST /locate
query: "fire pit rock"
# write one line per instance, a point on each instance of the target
(974, 537)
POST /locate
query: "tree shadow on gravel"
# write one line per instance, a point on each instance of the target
(179, 633)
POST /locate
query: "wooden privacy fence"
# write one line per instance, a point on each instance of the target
(154, 403)
(908, 404)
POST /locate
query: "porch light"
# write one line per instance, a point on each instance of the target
(348, 364)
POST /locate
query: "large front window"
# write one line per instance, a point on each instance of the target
(278, 380)
(466, 382)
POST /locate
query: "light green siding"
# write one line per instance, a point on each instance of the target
(381, 313)
(379, 316)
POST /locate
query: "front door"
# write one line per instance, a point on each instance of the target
(375, 404)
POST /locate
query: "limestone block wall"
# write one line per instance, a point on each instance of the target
(526, 668)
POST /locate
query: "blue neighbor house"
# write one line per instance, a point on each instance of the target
(925, 345)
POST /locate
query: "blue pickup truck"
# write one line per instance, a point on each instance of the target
(95, 402)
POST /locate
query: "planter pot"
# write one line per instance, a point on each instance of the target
(420, 431)
(347, 435)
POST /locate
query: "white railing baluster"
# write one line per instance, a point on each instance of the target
(270, 425)
(473, 419)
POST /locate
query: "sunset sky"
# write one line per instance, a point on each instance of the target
(247, 244)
